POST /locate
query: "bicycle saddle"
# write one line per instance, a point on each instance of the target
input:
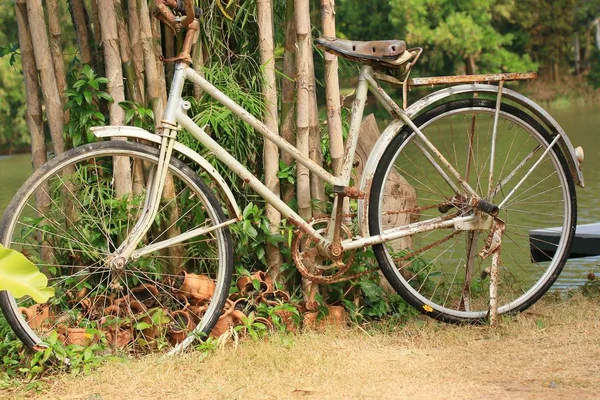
(384, 53)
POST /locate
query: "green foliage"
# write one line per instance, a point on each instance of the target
(251, 236)
(12, 50)
(84, 94)
(23, 367)
(21, 277)
(458, 35)
(138, 115)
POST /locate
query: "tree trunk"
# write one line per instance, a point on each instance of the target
(198, 63)
(153, 93)
(332, 88)
(303, 82)
(43, 60)
(129, 70)
(115, 88)
(57, 53)
(470, 66)
(304, 52)
(271, 151)
(79, 17)
(577, 50)
(137, 47)
(288, 93)
(35, 120)
(98, 52)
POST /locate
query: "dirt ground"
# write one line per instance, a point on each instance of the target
(549, 352)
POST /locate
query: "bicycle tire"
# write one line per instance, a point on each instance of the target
(82, 220)
(419, 274)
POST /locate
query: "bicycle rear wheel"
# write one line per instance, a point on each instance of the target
(439, 272)
(71, 215)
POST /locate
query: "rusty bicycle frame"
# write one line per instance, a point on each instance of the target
(329, 244)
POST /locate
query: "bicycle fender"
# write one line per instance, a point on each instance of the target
(139, 133)
(444, 95)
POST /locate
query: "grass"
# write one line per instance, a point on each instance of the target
(550, 351)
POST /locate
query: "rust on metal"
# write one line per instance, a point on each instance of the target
(450, 80)
(353, 193)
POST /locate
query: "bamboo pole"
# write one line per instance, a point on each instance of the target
(78, 16)
(57, 53)
(271, 151)
(115, 88)
(43, 61)
(332, 88)
(33, 115)
(288, 93)
(137, 47)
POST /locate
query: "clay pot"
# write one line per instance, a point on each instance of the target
(198, 288)
(245, 283)
(196, 312)
(265, 278)
(155, 329)
(180, 326)
(224, 322)
(76, 336)
(237, 317)
(119, 337)
(337, 317)
(287, 318)
(273, 298)
(36, 315)
(95, 306)
(146, 294)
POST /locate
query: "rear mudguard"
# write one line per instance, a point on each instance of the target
(444, 96)
(138, 133)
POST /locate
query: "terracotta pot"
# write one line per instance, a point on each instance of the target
(264, 321)
(95, 306)
(265, 280)
(146, 294)
(119, 337)
(180, 326)
(337, 317)
(224, 322)
(36, 315)
(273, 298)
(77, 336)
(237, 317)
(244, 284)
(196, 312)
(198, 288)
(287, 318)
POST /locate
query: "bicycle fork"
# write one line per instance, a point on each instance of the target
(168, 132)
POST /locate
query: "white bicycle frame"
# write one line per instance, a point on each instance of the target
(175, 116)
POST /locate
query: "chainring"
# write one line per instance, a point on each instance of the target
(313, 265)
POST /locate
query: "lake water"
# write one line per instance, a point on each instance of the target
(582, 124)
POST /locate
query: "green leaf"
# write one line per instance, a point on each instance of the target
(21, 278)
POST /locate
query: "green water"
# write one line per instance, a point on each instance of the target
(582, 124)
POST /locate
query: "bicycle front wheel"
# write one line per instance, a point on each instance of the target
(70, 217)
(440, 272)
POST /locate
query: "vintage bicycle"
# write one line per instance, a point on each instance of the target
(446, 201)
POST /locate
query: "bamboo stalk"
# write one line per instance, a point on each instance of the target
(332, 88)
(288, 93)
(43, 60)
(78, 15)
(271, 151)
(115, 88)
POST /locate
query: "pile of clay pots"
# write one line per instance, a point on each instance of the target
(138, 318)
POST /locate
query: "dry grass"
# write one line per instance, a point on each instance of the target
(551, 351)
